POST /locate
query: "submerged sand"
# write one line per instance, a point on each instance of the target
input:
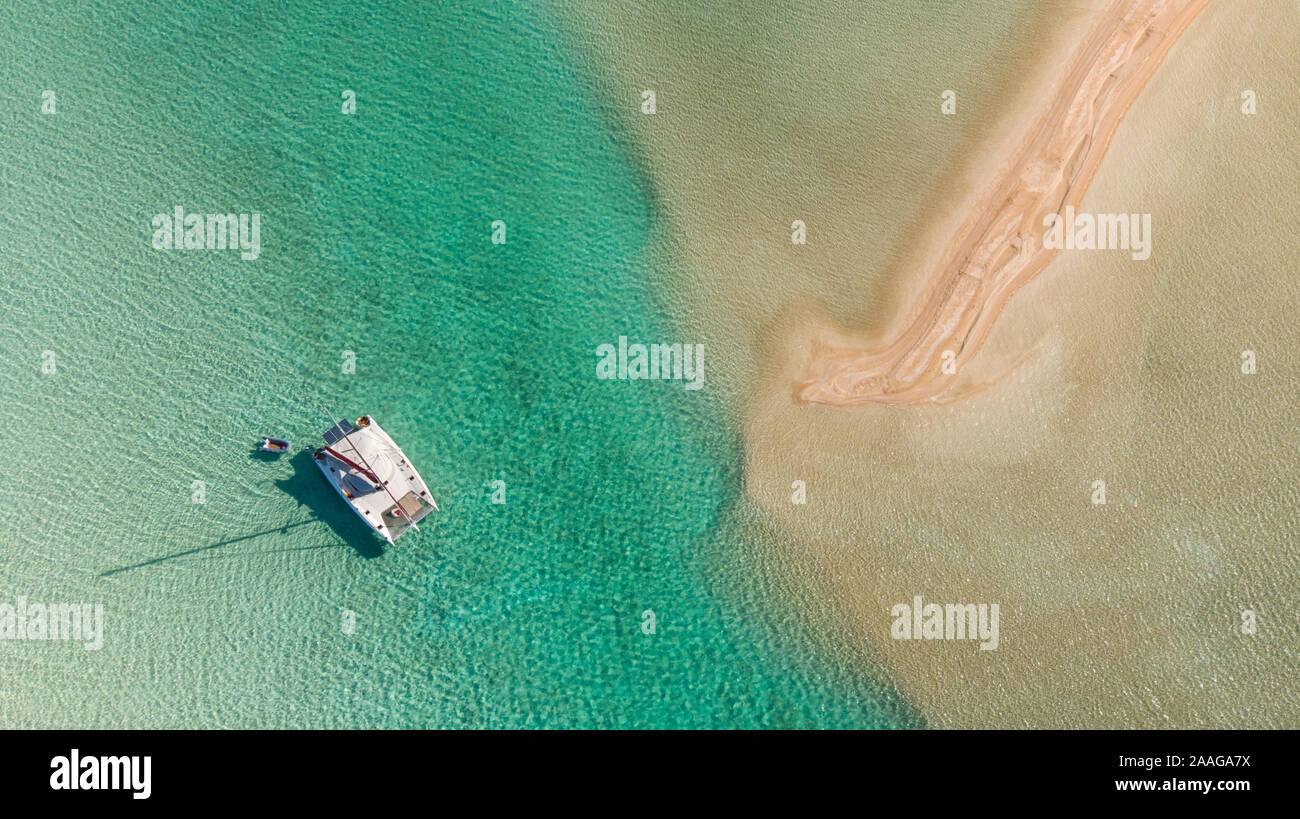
(1126, 613)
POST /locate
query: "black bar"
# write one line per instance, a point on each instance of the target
(333, 769)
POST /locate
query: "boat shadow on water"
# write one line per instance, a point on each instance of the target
(308, 488)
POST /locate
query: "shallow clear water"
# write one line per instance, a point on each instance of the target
(477, 358)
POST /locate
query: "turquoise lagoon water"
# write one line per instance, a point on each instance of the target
(621, 497)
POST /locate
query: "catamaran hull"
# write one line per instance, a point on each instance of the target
(321, 464)
(392, 502)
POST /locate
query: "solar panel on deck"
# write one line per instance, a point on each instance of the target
(335, 433)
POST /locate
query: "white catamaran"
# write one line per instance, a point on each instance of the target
(372, 474)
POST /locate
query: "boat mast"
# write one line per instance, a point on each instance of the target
(403, 512)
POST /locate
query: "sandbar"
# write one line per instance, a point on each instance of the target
(1001, 245)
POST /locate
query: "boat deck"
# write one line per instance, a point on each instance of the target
(370, 447)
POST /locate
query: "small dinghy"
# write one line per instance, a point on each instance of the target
(276, 445)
